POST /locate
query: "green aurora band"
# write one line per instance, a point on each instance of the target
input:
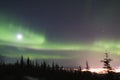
(8, 33)
(37, 41)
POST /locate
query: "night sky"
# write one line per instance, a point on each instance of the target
(68, 32)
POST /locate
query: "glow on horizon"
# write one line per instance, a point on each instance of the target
(101, 70)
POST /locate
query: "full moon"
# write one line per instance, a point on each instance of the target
(19, 36)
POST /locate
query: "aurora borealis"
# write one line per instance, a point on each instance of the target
(35, 46)
(63, 31)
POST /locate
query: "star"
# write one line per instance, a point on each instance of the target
(19, 36)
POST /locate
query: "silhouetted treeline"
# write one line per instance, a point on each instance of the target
(28, 70)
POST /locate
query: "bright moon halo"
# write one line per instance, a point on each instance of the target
(19, 36)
